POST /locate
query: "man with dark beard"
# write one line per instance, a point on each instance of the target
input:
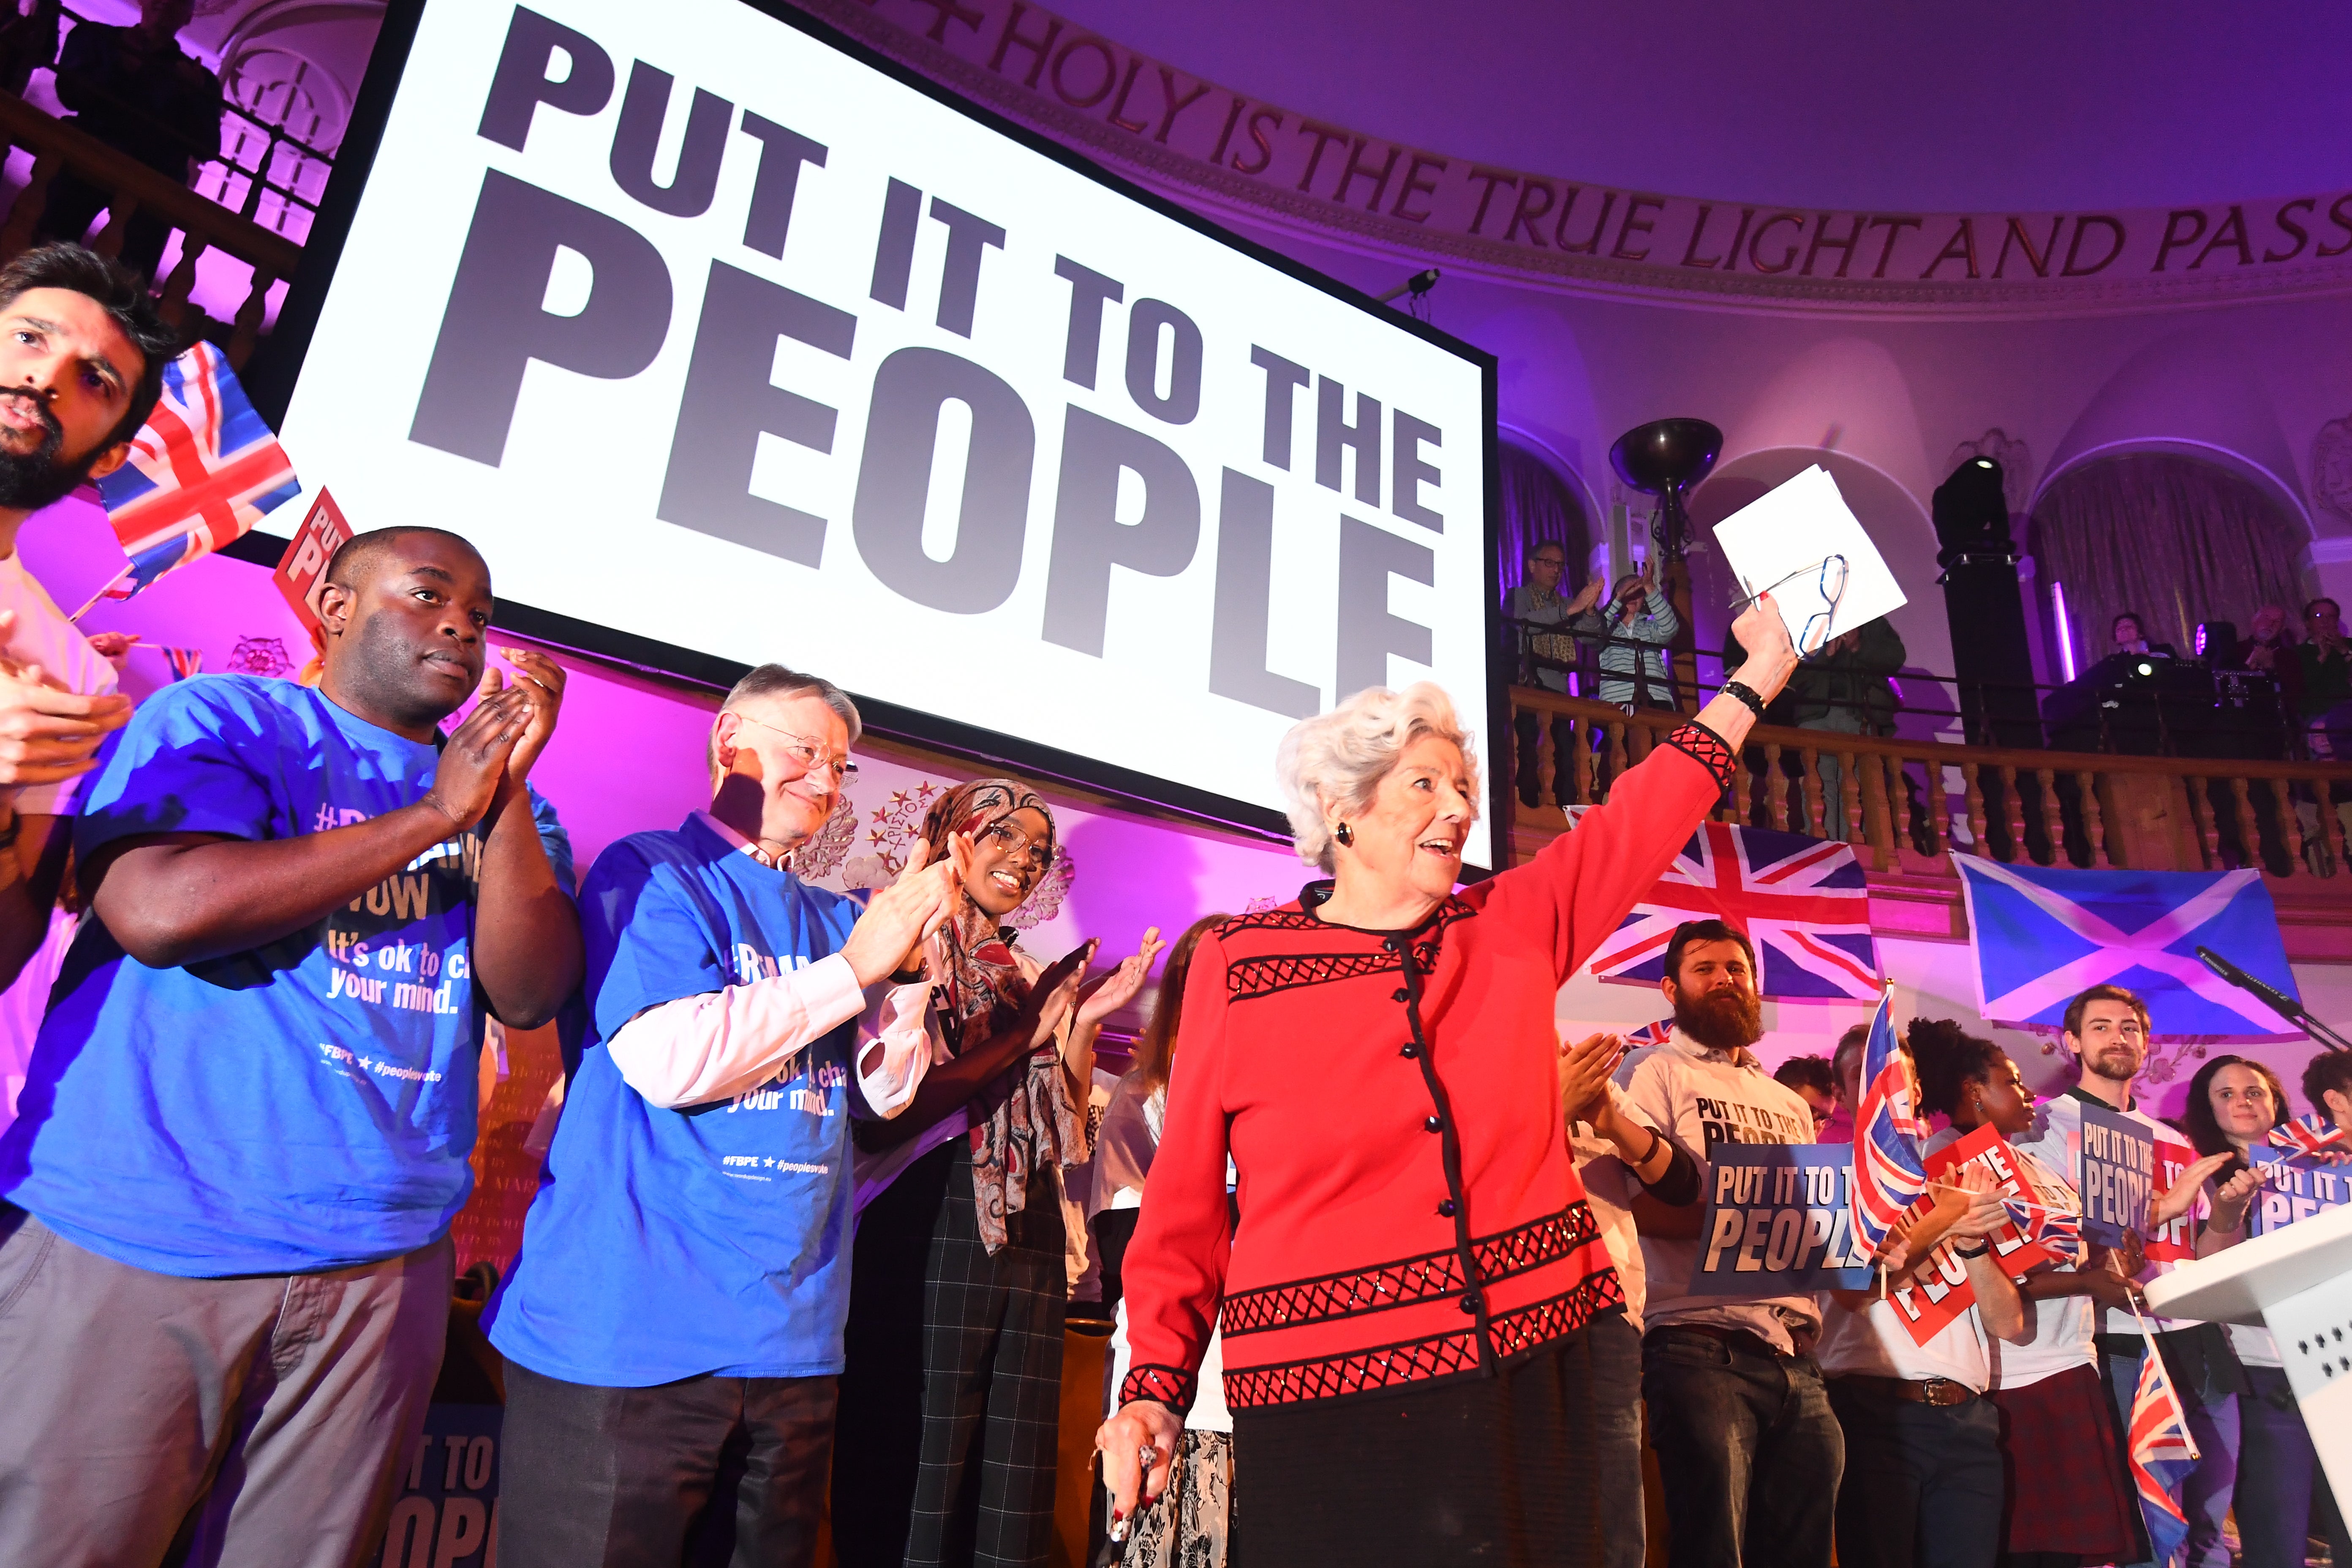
(224, 1244)
(81, 357)
(1749, 1450)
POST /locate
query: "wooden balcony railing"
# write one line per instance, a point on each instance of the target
(1904, 800)
(202, 225)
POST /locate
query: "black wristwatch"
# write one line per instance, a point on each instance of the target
(1745, 693)
(1983, 1248)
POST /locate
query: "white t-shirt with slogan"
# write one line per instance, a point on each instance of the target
(41, 636)
(1698, 1099)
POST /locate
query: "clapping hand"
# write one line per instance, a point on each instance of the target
(2176, 1199)
(1055, 993)
(1584, 1072)
(899, 918)
(1973, 1199)
(541, 680)
(1120, 987)
(473, 766)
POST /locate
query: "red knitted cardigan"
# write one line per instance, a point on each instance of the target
(1408, 1206)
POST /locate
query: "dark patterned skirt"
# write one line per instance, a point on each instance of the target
(1493, 1471)
(2067, 1489)
(950, 1403)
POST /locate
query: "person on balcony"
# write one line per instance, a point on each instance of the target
(136, 90)
(2324, 668)
(1406, 1308)
(1847, 688)
(1545, 657)
(1633, 629)
(2128, 633)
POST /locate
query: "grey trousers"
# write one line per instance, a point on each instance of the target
(257, 1419)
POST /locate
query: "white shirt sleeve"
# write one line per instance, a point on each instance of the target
(896, 1032)
(720, 1044)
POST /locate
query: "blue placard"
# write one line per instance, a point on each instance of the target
(2116, 1176)
(448, 1492)
(1777, 1222)
(2296, 1187)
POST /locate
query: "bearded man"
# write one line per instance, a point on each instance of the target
(1749, 1449)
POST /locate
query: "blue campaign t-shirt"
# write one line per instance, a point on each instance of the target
(303, 1106)
(713, 1239)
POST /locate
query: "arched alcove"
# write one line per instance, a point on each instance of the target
(2176, 535)
(1539, 504)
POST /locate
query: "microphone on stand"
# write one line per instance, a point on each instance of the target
(2270, 996)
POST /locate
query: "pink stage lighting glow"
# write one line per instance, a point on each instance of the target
(2065, 629)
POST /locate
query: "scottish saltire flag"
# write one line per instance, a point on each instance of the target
(2315, 1134)
(2162, 1455)
(202, 470)
(1803, 903)
(1888, 1176)
(2043, 935)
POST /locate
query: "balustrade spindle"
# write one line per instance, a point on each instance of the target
(1812, 807)
(1972, 793)
(1775, 789)
(1849, 798)
(2206, 822)
(2094, 828)
(1898, 806)
(2331, 830)
(25, 215)
(2290, 829)
(248, 317)
(120, 209)
(2053, 826)
(1617, 763)
(2249, 832)
(1546, 763)
(2013, 809)
(1582, 762)
(1878, 814)
(173, 306)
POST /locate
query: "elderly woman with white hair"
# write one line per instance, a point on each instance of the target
(1404, 1301)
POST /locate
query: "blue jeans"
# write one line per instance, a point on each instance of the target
(2213, 1423)
(1747, 1449)
(2279, 1478)
(1923, 1482)
(1616, 1352)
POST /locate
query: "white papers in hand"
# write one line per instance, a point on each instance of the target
(1780, 541)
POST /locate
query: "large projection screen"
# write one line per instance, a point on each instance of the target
(722, 336)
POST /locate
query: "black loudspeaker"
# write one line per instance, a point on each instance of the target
(1990, 653)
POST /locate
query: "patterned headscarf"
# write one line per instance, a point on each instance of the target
(1025, 1120)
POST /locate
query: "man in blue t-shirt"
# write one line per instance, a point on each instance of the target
(673, 1327)
(223, 1241)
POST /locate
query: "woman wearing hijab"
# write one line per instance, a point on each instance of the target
(945, 1442)
(1404, 1304)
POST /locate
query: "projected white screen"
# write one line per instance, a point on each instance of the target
(708, 332)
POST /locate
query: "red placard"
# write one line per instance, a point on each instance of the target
(1941, 1291)
(2175, 1241)
(302, 570)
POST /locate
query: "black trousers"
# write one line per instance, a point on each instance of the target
(711, 1472)
(1923, 1483)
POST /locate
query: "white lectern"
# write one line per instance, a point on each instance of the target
(2297, 1282)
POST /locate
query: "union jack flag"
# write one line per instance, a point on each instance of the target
(1888, 1176)
(1803, 902)
(2162, 1455)
(2314, 1134)
(1655, 1034)
(202, 470)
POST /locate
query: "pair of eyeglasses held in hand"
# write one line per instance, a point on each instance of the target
(1831, 583)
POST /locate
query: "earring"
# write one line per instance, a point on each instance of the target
(1342, 834)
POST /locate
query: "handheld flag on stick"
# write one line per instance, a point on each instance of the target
(202, 470)
(2314, 1134)
(1889, 1175)
(2162, 1453)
